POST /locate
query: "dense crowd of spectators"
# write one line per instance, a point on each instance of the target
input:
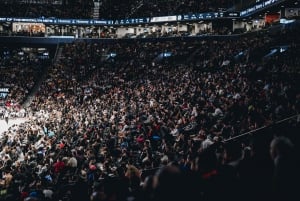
(175, 7)
(19, 71)
(112, 9)
(117, 9)
(115, 121)
(70, 9)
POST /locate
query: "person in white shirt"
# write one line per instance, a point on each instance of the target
(6, 116)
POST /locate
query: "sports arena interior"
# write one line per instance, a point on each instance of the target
(149, 100)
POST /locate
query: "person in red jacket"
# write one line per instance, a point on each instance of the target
(59, 165)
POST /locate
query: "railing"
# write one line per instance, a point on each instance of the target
(297, 116)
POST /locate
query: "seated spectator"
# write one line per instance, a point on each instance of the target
(285, 169)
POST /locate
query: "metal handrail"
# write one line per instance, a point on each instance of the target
(261, 128)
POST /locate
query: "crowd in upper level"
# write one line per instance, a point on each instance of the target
(110, 9)
(69, 9)
(177, 7)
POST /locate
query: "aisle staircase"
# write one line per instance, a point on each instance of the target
(42, 77)
(96, 9)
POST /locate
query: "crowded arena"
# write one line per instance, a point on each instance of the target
(149, 100)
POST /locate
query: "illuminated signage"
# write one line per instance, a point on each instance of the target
(210, 15)
(4, 90)
(55, 21)
(98, 22)
(193, 16)
(259, 6)
(164, 19)
(132, 21)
